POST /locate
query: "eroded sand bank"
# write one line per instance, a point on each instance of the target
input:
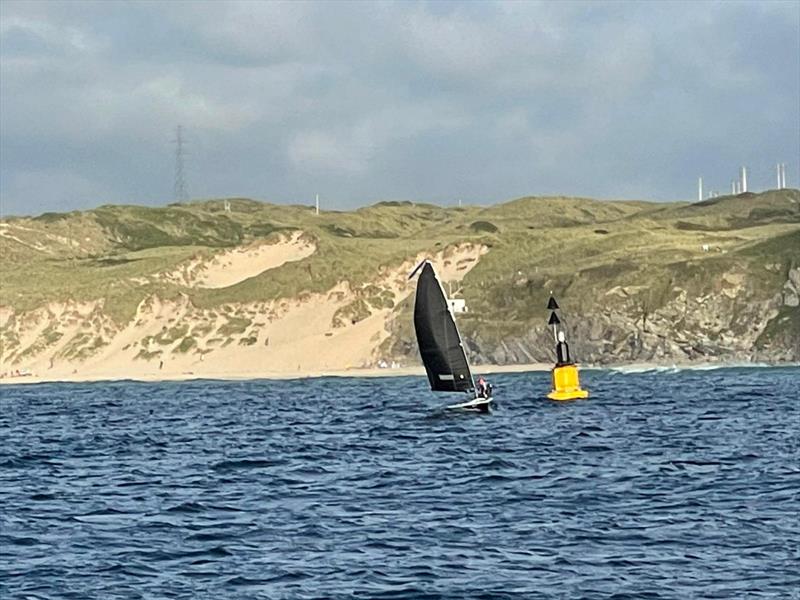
(340, 331)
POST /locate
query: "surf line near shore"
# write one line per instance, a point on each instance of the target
(244, 375)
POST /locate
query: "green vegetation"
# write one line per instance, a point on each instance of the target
(381, 299)
(116, 253)
(48, 337)
(352, 313)
(166, 337)
(147, 355)
(598, 257)
(483, 226)
(186, 344)
(81, 346)
(202, 329)
(234, 326)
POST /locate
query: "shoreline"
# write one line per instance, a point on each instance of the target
(254, 375)
(415, 371)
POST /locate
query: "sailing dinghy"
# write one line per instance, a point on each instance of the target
(440, 343)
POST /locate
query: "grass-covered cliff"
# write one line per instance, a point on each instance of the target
(638, 281)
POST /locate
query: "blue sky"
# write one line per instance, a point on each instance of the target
(369, 101)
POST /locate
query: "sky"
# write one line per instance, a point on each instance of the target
(360, 102)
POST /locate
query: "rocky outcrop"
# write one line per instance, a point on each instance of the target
(791, 289)
(733, 321)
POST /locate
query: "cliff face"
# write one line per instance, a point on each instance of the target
(263, 288)
(732, 323)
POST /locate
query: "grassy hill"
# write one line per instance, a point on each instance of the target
(639, 281)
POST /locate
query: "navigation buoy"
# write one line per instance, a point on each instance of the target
(566, 382)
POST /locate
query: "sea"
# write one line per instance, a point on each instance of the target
(663, 484)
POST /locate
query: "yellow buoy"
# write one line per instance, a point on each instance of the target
(566, 385)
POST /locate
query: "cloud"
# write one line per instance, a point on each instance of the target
(426, 101)
(312, 150)
(351, 145)
(53, 189)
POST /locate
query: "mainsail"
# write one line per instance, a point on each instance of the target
(437, 335)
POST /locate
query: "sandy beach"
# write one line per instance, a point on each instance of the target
(233, 375)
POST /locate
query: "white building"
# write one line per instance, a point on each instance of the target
(458, 305)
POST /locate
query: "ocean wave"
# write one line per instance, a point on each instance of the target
(652, 478)
(676, 368)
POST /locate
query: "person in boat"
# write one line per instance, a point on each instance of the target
(484, 388)
(562, 350)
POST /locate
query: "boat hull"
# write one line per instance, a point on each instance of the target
(475, 405)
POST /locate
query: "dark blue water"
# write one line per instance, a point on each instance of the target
(661, 485)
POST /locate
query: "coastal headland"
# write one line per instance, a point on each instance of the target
(237, 288)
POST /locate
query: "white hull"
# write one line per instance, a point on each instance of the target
(477, 404)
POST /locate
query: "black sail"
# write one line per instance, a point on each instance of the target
(438, 338)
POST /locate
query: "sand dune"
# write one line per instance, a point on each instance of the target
(175, 340)
(234, 266)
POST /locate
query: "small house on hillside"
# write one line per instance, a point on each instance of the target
(458, 305)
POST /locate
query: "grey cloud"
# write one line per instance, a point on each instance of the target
(363, 101)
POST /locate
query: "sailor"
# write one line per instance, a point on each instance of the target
(562, 350)
(484, 389)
